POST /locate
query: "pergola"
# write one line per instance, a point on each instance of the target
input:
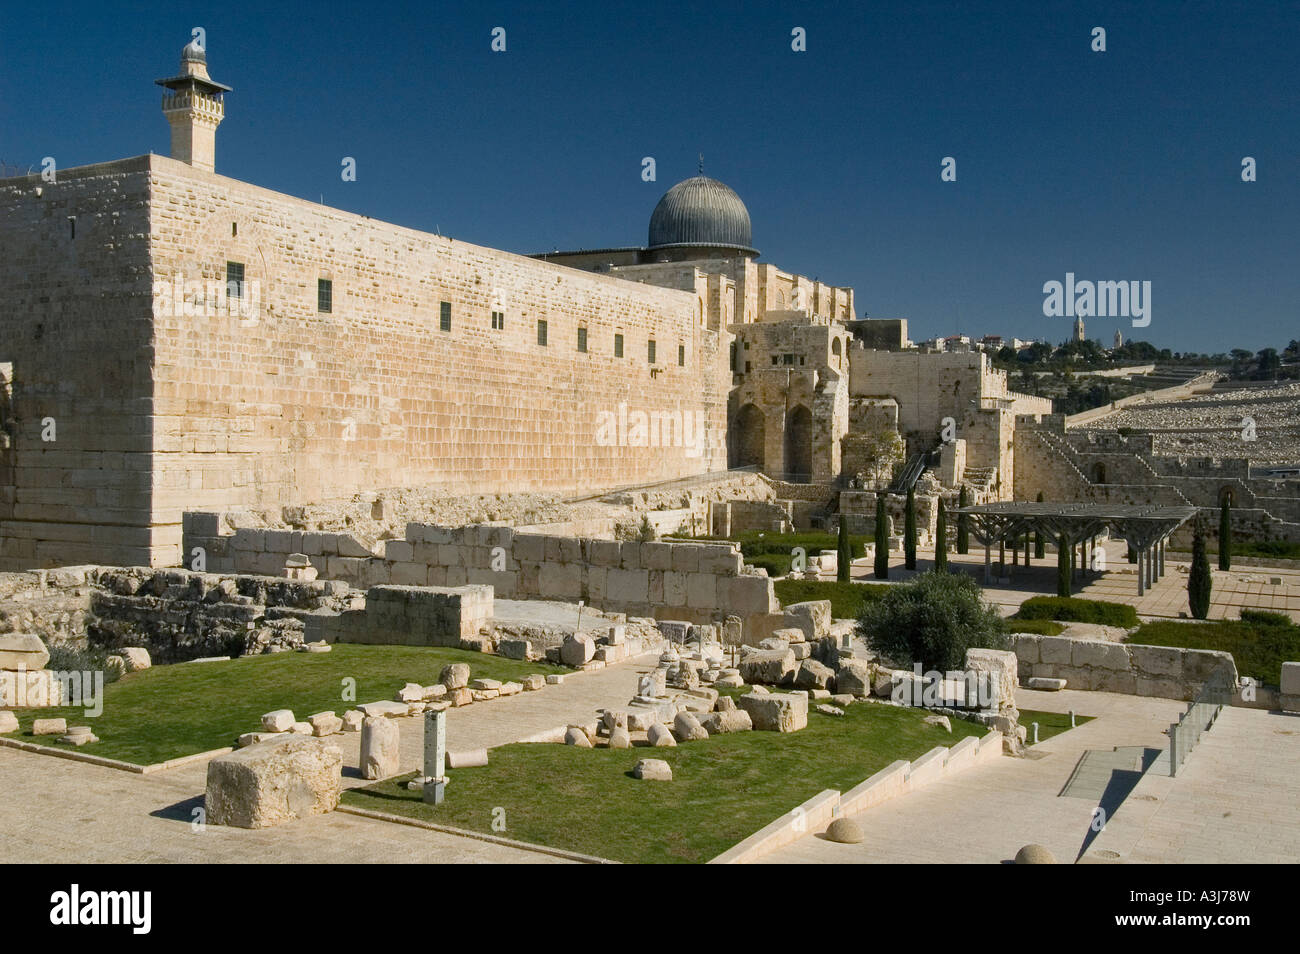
(1144, 528)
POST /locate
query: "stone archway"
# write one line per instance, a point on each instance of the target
(745, 438)
(798, 445)
(1098, 473)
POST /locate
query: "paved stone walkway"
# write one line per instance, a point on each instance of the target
(55, 810)
(1236, 800)
(987, 813)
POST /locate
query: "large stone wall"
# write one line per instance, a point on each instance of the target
(699, 583)
(167, 395)
(76, 355)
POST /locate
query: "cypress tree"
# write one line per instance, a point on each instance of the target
(845, 554)
(1199, 580)
(882, 540)
(1039, 547)
(909, 530)
(1062, 566)
(1225, 535)
(963, 522)
(941, 540)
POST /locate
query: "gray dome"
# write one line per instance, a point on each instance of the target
(700, 211)
(193, 53)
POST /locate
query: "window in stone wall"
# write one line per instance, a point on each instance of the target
(324, 294)
(733, 356)
(582, 338)
(681, 356)
(541, 332)
(618, 346)
(498, 321)
(234, 279)
(444, 316)
(650, 351)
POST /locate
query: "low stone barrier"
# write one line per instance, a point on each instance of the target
(894, 780)
(415, 616)
(1167, 672)
(695, 582)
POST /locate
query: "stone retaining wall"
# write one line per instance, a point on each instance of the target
(696, 582)
(1164, 671)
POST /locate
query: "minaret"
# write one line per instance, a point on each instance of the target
(1119, 340)
(194, 106)
(1078, 329)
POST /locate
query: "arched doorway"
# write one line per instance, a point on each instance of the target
(1099, 473)
(798, 445)
(745, 438)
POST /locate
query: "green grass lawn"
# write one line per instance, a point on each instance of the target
(847, 599)
(773, 551)
(170, 711)
(1259, 644)
(1049, 723)
(723, 790)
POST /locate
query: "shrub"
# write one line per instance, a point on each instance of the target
(1072, 609)
(66, 658)
(963, 522)
(1265, 618)
(909, 530)
(1199, 580)
(882, 540)
(844, 553)
(941, 539)
(933, 620)
(1225, 536)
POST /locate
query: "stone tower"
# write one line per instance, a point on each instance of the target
(1119, 340)
(1078, 329)
(194, 107)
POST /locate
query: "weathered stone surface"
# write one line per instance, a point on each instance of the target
(386, 709)
(577, 650)
(776, 712)
(485, 684)
(1034, 855)
(275, 781)
(469, 758)
(22, 650)
(49, 726)
(280, 720)
(534, 682)
(772, 667)
(855, 677)
(729, 680)
(485, 695)
(515, 648)
(734, 720)
(1003, 670)
(380, 747)
(1290, 683)
(619, 739)
(136, 658)
(455, 676)
(114, 668)
(574, 735)
(460, 697)
(325, 723)
(352, 720)
(1044, 684)
(510, 689)
(941, 721)
(653, 769)
(301, 728)
(844, 831)
(659, 736)
(813, 675)
(687, 728)
(8, 722)
(411, 692)
(830, 710)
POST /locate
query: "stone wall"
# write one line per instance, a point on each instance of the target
(695, 582)
(168, 393)
(1163, 671)
(76, 355)
(415, 616)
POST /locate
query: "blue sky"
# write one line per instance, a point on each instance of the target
(1123, 165)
